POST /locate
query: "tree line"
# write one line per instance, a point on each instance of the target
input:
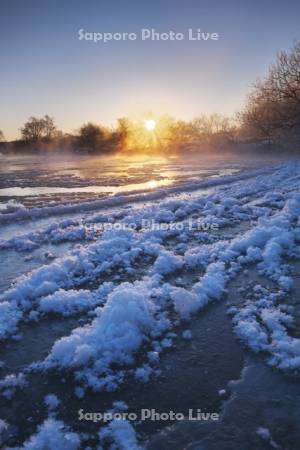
(170, 134)
(272, 110)
(271, 117)
(42, 133)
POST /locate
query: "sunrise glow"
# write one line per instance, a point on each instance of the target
(150, 124)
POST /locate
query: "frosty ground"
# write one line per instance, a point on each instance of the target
(102, 313)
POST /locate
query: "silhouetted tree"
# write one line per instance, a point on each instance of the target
(32, 130)
(92, 137)
(123, 130)
(50, 131)
(258, 120)
(214, 129)
(272, 111)
(36, 129)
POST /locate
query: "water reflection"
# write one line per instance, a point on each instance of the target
(35, 191)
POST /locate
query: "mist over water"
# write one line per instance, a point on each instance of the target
(55, 174)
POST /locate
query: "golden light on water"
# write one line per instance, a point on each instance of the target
(148, 133)
(153, 184)
(150, 124)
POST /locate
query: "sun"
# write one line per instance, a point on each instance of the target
(150, 124)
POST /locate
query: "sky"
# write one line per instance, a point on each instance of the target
(46, 69)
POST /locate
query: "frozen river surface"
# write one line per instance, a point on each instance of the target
(149, 284)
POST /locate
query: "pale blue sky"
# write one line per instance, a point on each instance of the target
(46, 69)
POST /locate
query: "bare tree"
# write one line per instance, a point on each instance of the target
(2, 139)
(36, 129)
(258, 120)
(92, 137)
(122, 133)
(283, 80)
(33, 129)
(273, 107)
(50, 130)
(213, 129)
